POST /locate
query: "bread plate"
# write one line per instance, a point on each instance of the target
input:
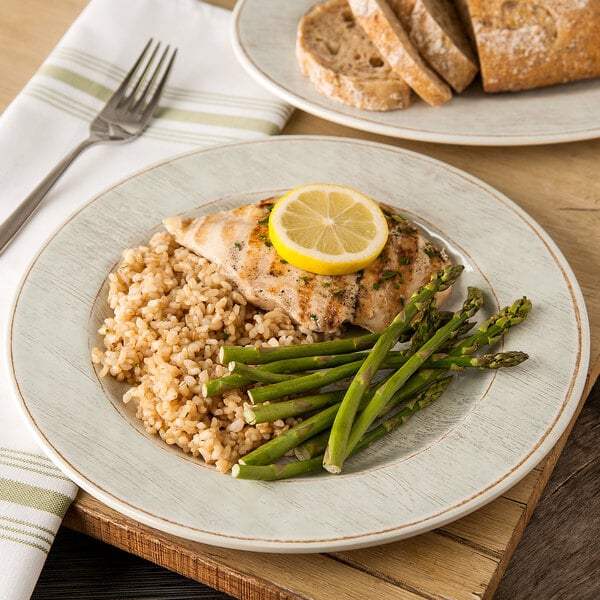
(469, 447)
(264, 37)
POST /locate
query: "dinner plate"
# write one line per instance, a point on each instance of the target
(264, 37)
(475, 442)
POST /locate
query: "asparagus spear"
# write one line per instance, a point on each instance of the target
(305, 363)
(299, 406)
(258, 375)
(273, 471)
(494, 328)
(276, 471)
(364, 371)
(336, 450)
(415, 404)
(289, 365)
(306, 383)
(278, 446)
(487, 333)
(291, 408)
(384, 393)
(253, 355)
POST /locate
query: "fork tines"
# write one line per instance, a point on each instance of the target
(143, 85)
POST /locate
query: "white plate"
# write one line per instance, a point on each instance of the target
(264, 37)
(466, 449)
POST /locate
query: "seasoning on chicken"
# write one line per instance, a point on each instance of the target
(238, 242)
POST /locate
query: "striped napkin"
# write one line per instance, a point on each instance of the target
(209, 100)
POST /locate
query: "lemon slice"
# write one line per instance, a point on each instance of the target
(327, 229)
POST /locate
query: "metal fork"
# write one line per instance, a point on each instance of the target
(123, 118)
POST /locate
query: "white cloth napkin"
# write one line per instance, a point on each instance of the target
(209, 100)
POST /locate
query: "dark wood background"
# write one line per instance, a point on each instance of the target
(558, 557)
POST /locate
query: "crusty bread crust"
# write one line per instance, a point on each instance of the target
(343, 64)
(387, 33)
(436, 30)
(524, 44)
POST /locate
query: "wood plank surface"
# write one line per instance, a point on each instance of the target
(558, 185)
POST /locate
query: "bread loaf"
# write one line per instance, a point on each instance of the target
(436, 30)
(343, 64)
(526, 44)
(389, 36)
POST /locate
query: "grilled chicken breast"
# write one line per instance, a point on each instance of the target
(238, 242)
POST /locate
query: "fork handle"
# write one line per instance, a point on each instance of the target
(13, 223)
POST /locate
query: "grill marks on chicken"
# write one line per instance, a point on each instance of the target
(238, 242)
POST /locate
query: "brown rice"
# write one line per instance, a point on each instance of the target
(173, 310)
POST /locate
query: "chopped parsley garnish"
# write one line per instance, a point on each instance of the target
(430, 250)
(393, 216)
(238, 245)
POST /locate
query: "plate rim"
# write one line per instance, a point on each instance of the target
(479, 499)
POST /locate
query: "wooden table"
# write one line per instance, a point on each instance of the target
(558, 556)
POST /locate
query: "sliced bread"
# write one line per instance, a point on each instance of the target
(343, 64)
(528, 44)
(435, 28)
(389, 36)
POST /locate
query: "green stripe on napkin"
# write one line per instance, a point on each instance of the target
(77, 81)
(106, 69)
(34, 497)
(217, 120)
(25, 532)
(103, 93)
